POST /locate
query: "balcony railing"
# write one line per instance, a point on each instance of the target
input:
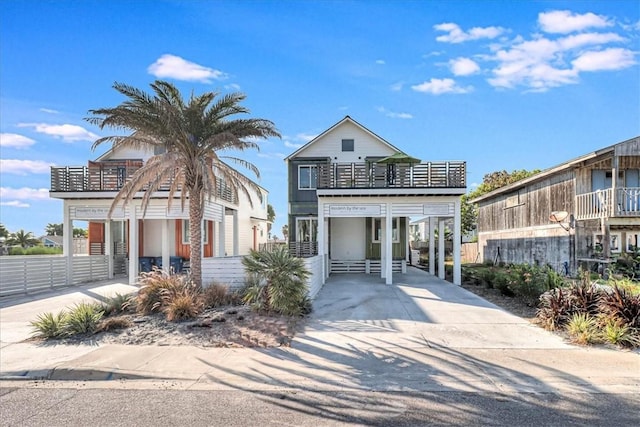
(378, 175)
(303, 249)
(623, 202)
(107, 177)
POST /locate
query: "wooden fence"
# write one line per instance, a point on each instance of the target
(32, 273)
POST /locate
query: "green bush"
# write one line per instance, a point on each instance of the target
(282, 278)
(582, 328)
(118, 303)
(501, 282)
(49, 325)
(35, 250)
(83, 318)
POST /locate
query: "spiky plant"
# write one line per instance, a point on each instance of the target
(117, 304)
(49, 325)
(622, 335)
(582, 328)
(554, 309)
(182, 303)
(618, 303)
(191, 136)
(152, 286)
(83, 318)
(284, 277)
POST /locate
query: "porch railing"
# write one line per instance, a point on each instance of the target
(303, 249)
(108, 178)
(377, 175)
(623, 202)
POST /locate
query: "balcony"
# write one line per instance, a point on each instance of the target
(378, 175)
(108, 176)
(624, 202)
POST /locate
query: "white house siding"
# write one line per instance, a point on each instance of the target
(127, 153)
(330, 145)
(227, 271)
(347, 238)
(315, 281)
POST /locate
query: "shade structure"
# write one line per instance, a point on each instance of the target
(399, 157)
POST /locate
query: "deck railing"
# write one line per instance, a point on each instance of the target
(624, 202)
(378, 175)
(109, 178)
(303, 249)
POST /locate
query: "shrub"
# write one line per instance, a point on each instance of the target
(585, 298)
(554, 309)
(216, 295)
(622, 335)
(487, 276)
(49, 325)
(283, 278)
(582, 329)
(83, 318)
(153, 285)
(501, 282)
(118, 304)
(621, 305)
(182, 303)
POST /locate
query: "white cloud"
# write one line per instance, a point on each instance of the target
(15, 204)
(289, 144)
(588, 39)
(65, 132)
(305, 137)
(24, 193)
(49, 110)
(24, 167)
(463, 66)
(380, 61)
(394, 115)
(608, 59)
(174, 67)
(457, 35)
(15, 140)
(397, 87)
(565, 21)
(232, 86)
(440, 86)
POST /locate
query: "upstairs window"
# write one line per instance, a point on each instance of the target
(347, 145)
(307, 177)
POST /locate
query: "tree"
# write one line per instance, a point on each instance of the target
(54, 229)
(490, 182)
(79, 232)
(271, 216)
(3, 231)
(189, 135)
(22, 238)
(285, 232)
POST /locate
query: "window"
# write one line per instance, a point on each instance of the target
(633, 239)
(376, 231)
(347, 145)
(614, 245)
(186, 235)
(307, 229)
(307, 177)
(513, 200)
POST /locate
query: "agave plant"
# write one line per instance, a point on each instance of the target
(49, 325)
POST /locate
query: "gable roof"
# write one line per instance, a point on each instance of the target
(341, 122)
(555, 169)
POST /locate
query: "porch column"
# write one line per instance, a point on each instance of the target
(236, 234)
(432, 245)
(407, 238)
(108, 248)
(221, 233)
(133, 245)
(166, 249)
(388, 243)
(320, 238)
(67, 241)
(457, 243)
(441, 240)
(383, 246)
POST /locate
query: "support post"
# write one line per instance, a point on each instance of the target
(108, 248)
(236, 234)
(166, 259)
(67, 241)
(441, 239)
(221, 234)
(389, 245)
(133, 245)
(432, 245)
(457, 243)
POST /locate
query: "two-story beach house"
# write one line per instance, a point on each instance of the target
(584, 211)
(132, 240)
(351, 197)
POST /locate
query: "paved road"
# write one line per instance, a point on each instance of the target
(108, 407)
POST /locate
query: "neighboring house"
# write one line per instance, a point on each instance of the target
(584, 211)
(51, 241)
(351, 196)
(133, 239)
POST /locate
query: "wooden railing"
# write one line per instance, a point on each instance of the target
(377, 175)
(110, 177)
(303, 249)
(624, 202)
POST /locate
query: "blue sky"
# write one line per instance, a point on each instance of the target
(500, 84)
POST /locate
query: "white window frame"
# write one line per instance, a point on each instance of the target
(633, 241)
(395, 232)
(353, 145)
(613, 238)
(186, 234)
(312, 185)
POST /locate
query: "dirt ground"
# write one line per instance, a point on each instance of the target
(510, 304)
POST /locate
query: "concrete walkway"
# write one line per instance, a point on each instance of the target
(420, 334)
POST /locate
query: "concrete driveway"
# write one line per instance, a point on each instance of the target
(418, 310)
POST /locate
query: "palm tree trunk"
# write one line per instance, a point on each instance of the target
(195, 238)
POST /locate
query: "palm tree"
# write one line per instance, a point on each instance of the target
(22, 238)
(54, 229)
(189, 135)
